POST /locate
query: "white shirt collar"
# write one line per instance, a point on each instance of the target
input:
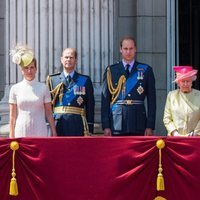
(131, 63)
(66, 74)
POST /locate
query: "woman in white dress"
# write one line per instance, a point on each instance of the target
(29, 100)
(182, 109)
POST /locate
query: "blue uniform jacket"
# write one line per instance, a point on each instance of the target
(80, 94)
(140, 85)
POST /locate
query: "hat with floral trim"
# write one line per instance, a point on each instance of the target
(183, 72)
(22, 55)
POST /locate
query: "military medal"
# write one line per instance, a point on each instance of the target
(140, 74)
(82, 90)
(79, 100)
(79, 90)
(140, 89)
(76, 90)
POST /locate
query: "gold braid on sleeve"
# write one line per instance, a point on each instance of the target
(115, 91)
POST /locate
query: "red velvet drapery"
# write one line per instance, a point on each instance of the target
(101, 168)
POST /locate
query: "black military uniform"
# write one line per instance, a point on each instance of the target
(123, 109)
(73, 104)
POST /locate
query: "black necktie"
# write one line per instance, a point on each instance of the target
(127, 69)
(68, 79)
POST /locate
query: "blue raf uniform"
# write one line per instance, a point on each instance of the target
(73, 104)
(123, 108)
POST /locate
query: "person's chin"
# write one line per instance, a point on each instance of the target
(186, 91)
(29, 78)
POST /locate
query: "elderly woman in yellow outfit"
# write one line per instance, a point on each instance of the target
(182, 109)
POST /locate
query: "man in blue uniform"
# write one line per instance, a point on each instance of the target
(126, 84)
(72, 98)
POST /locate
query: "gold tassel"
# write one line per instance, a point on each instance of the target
(13, 183)
(13, 187)
(160, 179)
(160, 182)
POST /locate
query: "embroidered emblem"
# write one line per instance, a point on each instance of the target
(79, 100)
(140, 89)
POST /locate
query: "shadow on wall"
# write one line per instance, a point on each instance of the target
(1, 95)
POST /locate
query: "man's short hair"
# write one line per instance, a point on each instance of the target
(127, 38)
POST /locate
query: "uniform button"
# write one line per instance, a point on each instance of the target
(69, 104)
(129, 95)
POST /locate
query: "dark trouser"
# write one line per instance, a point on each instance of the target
(69, 126)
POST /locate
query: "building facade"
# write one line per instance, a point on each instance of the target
(95, 27)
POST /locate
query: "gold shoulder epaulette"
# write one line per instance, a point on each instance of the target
(56, 74)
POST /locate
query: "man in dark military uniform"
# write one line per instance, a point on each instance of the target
(72, 98)
(126, 84)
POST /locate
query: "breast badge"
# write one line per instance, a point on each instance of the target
(140, 90)
(79, 100)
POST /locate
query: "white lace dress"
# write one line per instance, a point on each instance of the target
(30, 97)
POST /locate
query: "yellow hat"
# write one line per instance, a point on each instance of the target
(22, 55)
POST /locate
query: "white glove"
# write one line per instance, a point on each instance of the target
(192, 133)
(175, 133)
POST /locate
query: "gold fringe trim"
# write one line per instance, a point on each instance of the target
(160, 179)
(14, 145)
